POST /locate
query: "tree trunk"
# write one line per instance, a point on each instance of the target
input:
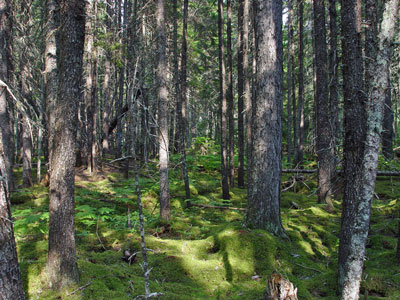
(356, 214)
(165, 211)
(289, 81)
(108, 100)
(50, 67)
(182, 103)
(354, 140)
(223, 101)
(62, 268)
(6, 132)
(333, 80)
(10, 274)
(300, 104)
(91, 83)
(27, 153)
(240, 97)
(387, 133)
(231, 124)
(263, 209)
(324, 154)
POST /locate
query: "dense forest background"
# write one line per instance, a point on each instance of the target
(218, 144)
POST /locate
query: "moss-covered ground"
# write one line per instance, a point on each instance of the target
(205, 253)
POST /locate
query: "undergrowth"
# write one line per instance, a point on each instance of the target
(205, 253)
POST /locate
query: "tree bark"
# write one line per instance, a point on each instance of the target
(6, 132)
(223, 102)
(289, 81)
(263, 209)
(182, 103)
(333, 79)
(165, 211)
(240, 85)
(324, 154)
(300, 104)
(356, 213)
(62, 268)
(354, 139)
(50, 67)
(387, 134)
(10, 274)
(231, 124)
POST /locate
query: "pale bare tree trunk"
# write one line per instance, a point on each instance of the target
(165, 211)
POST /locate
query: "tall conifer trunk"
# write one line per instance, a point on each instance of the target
(62, 268)
(223, 102)
(263, 208)
(163, 112)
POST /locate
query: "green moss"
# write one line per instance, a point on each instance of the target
(204, 253)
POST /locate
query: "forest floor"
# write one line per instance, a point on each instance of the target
(203, 253)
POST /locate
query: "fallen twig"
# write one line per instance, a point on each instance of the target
(305, 267)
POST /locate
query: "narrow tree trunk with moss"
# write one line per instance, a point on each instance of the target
(62, 268)
(263, 208)
(223, 102)
(324, 154)
(162, 93)
(10, 274)
(357, 210)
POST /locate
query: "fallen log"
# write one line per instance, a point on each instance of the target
(305, 171)
(218, 207)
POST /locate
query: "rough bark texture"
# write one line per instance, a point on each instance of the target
(357, 198)
(388, 133)
(300, 103)
(263, 209)
(289, 82)
(62, 266)
(183, 100)
(244, 100)
(6, 133)
(26, 153)
(223, 102)
(354, 105)
(50, 66)
(10, 274)
(240, 86)
(324, 155)
(231, 141)
(162, 70)
(333, 79)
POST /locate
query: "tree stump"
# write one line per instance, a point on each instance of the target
(279, 288)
